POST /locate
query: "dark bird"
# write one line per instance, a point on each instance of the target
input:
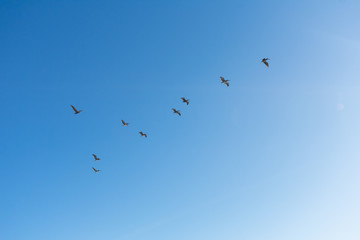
(176, 111)
(124, 123)
(264, 60)
(143, 134)
(185, 100)
(75, 110)
(224, 81)
(96, 170)
(96, 158)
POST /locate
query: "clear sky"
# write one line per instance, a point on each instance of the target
(275, 156)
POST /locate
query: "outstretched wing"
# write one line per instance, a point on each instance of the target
(123, 122)
(95, 156)
(222, 78)
(94, 169)
(74, 108)
(227, 84)
(266, 63)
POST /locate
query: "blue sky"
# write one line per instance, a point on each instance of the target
(274, 156)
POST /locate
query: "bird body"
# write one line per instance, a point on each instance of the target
(75, 110)
(96, 170)
(124, 123)
(143, 134)
(96, 158)
(226, 82)
(265, 61)
(185, 100)
(176, 111)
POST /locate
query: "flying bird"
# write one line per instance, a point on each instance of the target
(143, 134)
(176, 111)
(96, 170)
(224, 81)
(185, 100)
(124, 123)
(264, 60)
(75, 110)
(96, 158)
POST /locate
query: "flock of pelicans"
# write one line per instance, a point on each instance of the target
(223, 80)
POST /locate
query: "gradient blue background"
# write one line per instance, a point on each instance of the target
(275, 156)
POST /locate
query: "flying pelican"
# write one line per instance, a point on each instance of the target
(264, 60)
(96, 170)
(185, 100)
(143, 134)
(75, 110)
(224, 81)
(124, 123)
(176, 111)
(96, 158)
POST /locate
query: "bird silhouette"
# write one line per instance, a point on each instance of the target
(224, 81)
(96, 158)
(75, 110)
(185, 100)
(124, 123)
(264, 60)
(96, 170)
(143, 134)
(176, 111)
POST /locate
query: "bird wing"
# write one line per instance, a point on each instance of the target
(95, 156)
(227, 84)
(74, 108)
(94, 169)
(266, 63)
(222, 78)
(123, 122)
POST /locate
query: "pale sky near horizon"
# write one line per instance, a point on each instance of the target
(274, 156)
